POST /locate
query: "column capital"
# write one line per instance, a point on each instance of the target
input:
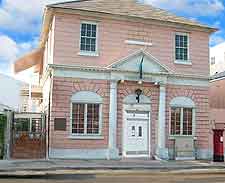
(162, 84)
(113, 84)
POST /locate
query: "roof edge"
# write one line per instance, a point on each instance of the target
(64, 2)
(201, 26)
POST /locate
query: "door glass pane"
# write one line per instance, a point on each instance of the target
(92, 118)
(139, 131)
(78, 118)
(175, 121)
(133, 131)
(187, 121)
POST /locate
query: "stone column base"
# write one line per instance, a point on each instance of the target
(113, 154)
(162, 153)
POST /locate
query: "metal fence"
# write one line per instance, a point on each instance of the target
(28, 138)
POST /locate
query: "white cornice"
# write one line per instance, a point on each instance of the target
(117, 63)
(107, 70)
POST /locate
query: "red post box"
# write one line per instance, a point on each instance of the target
(218, 154)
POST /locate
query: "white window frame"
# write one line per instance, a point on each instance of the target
(182, 121)
(182, 102)
(89, 53)
(184, 62)
(86, 97)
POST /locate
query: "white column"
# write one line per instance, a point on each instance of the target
(162, 152)
(113, 151)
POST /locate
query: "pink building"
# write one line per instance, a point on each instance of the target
(123, 79)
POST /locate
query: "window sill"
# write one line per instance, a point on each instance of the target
(181, 62)
(89, 54)
(172, 137)
(86, 137)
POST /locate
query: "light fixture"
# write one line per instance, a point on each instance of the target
(122, 81)
(138, 92)
(140, 82)
(156, 83)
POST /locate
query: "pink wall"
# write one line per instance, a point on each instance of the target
(63, 89)
(217, 94)
(113, 33)
(200, 97)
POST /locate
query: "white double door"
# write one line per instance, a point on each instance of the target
(136, 137)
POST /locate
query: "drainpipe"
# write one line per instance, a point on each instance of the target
(49, 117)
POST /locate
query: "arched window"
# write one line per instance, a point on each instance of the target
(182, 116)
(86, 113)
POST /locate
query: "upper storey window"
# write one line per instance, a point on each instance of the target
(182, 48)
(88, 38)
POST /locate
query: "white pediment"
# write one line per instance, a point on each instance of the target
(133, 61)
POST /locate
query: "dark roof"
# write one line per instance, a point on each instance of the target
(131, 8)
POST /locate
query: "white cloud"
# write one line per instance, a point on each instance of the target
(191, 7)
(8, 48)
(10, 51)
(21, 15)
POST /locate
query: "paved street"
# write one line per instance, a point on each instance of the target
(123, 164)
(123, 178)
(102, 171)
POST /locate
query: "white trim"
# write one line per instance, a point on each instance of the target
(89, 53)
(135, 42)
(28, 115)
(132, 76)
(161, 141)
(107, 70)
(89, 72)
(184, 158)
(136, 107)
(182, 62)
(175, 80)
(138, 52)
(86, 137)
(183, 102)
(217, 79)
(86, 97)
(112, 137)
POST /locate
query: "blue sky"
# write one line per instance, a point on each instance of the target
(20, 23)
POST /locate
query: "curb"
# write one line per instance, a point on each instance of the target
(54, 173)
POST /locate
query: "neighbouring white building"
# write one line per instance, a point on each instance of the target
(16, 95)
(10, 92)
(217, 59)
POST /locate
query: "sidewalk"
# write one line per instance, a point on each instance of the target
(125, 164)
